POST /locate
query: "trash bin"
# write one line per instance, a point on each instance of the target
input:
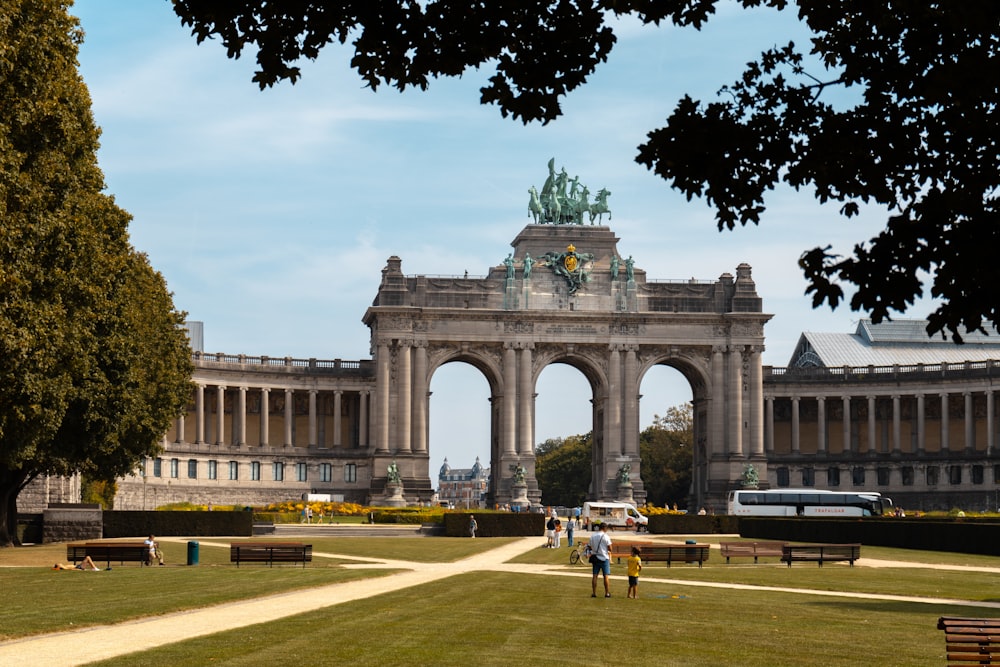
(690, 552)
(192, 553)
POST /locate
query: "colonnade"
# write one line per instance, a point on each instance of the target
(323, 406)
(962, 420)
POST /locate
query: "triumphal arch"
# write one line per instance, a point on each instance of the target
(566, 295)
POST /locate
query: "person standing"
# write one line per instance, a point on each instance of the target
(472, 526)
(550, 532)
(600, 548)
(634, 568)
(557, 535)
(569, 532)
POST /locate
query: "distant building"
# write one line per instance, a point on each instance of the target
(463, 487)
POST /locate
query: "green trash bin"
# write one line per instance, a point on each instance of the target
(192, 553)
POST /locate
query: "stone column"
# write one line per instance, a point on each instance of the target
(363, 412)
(199, 414)
(312, 418)
(717, 424)
(897, 445)
(944, 423)
(265, 416)
(735, 401)
(525, 403)
(289, 417)
(220, 415)
(338, 398)
(421, 396)
(382, 380)
(990, 427)
(509, 420)
(769, 418)
(180, 428)
(630, 408)
(613, 416)
(921, 424)
(970, 423)
(404, 391)
(795, 425)
(872, 445)
(821, 425)
(241, 412)
(756, 402)
(846, 427)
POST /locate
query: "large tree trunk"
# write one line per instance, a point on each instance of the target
(11, 483)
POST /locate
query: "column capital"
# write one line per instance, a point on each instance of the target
(221, 387)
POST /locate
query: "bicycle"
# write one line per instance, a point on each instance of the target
(577, 554)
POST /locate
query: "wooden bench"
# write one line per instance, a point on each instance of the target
(119, 552)
(270, 553)
(971, 641)
(748, 549)
(820, 553)
(663, 553)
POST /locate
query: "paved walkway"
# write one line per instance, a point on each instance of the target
(103, 642)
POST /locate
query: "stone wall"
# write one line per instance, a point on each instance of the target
(71, 522)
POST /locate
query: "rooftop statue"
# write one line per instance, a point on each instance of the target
(553, 205)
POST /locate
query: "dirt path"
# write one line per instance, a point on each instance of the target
(102, 642)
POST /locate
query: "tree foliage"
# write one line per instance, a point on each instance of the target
(93, 364)
(665, 449)
(917, 136)
(562, 468)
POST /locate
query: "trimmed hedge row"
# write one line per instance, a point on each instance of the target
(118, 523)
(693, 524)
(495, 524)
(959, 536)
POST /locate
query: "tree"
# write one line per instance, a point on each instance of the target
(914, 134)
(665, 449)
(93, 362)
(562, 468)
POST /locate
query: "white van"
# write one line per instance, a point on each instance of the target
(615, 515)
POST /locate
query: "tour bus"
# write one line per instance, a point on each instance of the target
(808, 502)
(615, 515)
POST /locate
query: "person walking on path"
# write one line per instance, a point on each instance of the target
(600, 548)
(472, 526)
(634, 568)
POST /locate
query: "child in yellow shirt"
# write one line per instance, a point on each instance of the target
(634, 568)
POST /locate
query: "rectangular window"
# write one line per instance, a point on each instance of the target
(175, 465)
(192, 469)
(234, 470)
(350, 472)
(325, 472)
(955, 475)
(833, 476)
(301, 472)
(808, 477)
(858, 476)
(782, 474)
(977, 474)
(255, 471)
(932, 475)
(213, 469)
(907, 475)
(882, 476)
(279, 471)
(996, 473)
(157, 467)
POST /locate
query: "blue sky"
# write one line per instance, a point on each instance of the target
(271, 213)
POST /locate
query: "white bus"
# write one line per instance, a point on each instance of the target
(808, 502)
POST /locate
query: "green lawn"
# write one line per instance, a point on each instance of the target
(490, 618)
(504, 619)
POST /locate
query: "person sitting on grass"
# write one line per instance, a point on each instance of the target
(86, 564)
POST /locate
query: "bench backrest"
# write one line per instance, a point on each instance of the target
(971, 641)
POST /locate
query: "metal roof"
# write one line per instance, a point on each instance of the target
(903, 342)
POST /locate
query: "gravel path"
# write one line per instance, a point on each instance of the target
(102, 642)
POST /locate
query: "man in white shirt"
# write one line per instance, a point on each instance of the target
(600, 547)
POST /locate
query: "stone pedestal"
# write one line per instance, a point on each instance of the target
(394, 495)
(625, 493)
(519, 496)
